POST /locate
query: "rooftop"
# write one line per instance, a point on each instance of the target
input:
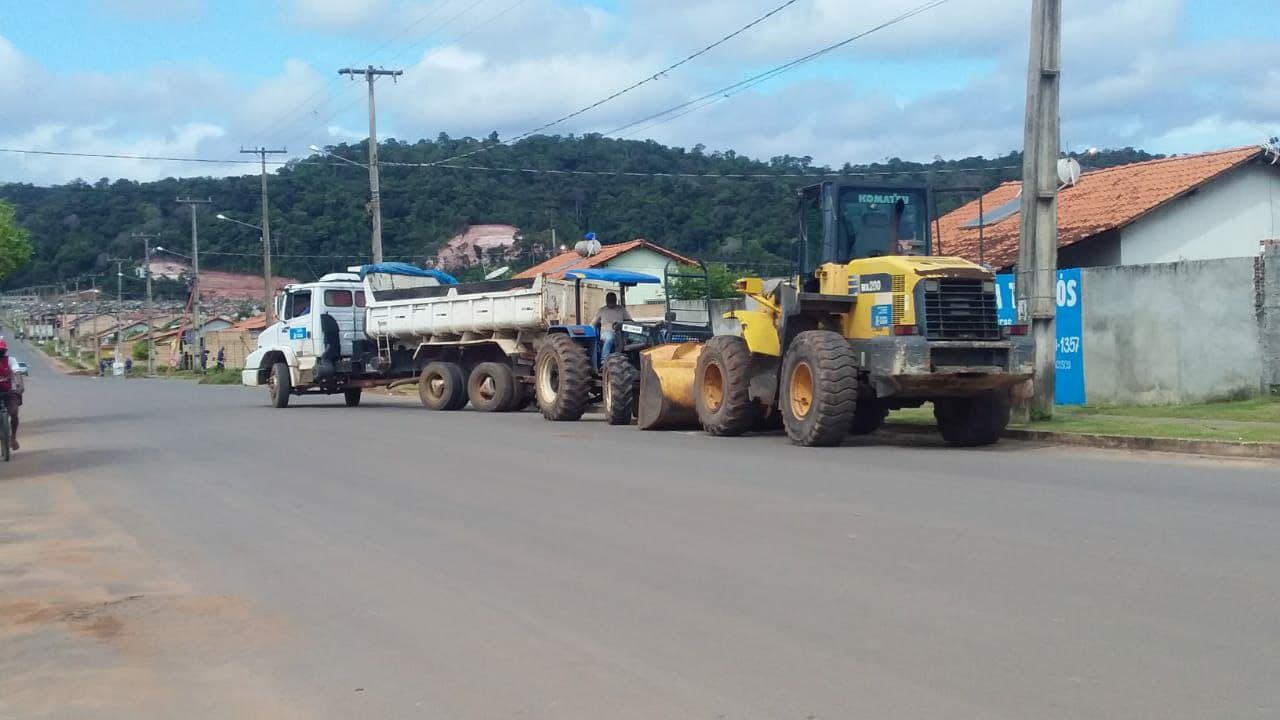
(560, 264)
(1102, 200)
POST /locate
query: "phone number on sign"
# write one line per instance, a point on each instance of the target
(1068, 345)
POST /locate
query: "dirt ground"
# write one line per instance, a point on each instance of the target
(92, 627)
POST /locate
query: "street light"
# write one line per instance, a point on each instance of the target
(268, 286)
(322, 151)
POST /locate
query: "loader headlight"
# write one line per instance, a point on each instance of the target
(988, 286)
(932, 285)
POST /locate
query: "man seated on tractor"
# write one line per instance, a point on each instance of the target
(606, 318)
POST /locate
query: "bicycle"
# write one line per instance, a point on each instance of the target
(6, 431)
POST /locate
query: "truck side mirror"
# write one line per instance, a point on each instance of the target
(670, 316)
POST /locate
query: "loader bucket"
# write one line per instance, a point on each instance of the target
(666, 386)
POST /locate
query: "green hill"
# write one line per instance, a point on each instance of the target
(318, 204)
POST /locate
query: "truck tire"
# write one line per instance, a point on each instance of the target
(562, 378)
(722, 387)
(972, 421)
(280, 385)
(492, 387)
(619, 379)
(442, 387)
(352, 397)
(819, 389)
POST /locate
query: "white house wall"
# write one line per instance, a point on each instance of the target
(1228, 217)
(643, 260)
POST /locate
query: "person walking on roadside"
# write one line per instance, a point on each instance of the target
(222, 359)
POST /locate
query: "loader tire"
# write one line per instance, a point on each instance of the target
(492, 387)
(280, 385)
(819, 388)
(619, 380)
(722, 387)
(972, 421)
(441, 386)
(868, 415)
(562, 379)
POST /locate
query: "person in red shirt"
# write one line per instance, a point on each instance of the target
(11, 387)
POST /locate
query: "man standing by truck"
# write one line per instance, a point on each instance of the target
(606, 317)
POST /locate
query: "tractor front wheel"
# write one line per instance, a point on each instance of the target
(618, 382)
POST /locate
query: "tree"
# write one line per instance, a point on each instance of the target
(15, 248)
(720, 280)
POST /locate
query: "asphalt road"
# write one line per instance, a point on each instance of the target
(173, 550)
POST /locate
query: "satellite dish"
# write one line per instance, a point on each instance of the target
(1068, 171)
(495, 274)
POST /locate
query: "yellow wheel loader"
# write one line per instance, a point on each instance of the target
(871, 323)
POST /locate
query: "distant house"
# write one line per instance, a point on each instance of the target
(1190, 207)
(638, 255)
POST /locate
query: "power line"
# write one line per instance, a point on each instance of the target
(758, 78)
(634, 85)
(120, 156)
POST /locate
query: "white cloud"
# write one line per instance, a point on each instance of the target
(334, 14)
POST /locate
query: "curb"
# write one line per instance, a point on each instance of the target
(1216, 448)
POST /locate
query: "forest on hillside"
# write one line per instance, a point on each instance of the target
(319, 222)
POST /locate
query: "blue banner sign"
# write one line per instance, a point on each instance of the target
(1069, 358)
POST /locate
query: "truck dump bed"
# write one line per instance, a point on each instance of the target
(485, 308)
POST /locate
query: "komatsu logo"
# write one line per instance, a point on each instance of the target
(877, 199)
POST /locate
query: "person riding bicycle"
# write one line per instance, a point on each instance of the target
(11, 387)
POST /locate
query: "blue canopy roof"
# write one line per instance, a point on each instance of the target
(624, 277)
(400, 268)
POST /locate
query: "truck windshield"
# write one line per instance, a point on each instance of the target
(883, 223)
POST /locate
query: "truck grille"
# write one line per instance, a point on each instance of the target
(960, 310)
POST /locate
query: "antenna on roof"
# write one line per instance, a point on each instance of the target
(1068, 172)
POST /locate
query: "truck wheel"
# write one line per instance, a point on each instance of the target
(442, 387)
(352, 397)
(562, 379)
(819, 388)
(722, 387)
(972, 421)
(868, 416)
(619, 383)
(492, 387)
(280, 385)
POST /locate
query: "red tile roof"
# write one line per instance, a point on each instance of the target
(257, 322)
(1102, 200)
(557, 266)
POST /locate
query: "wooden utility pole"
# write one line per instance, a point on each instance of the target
(375, 200)
(195, 278)
(269, 296)
(1038, 239)
(150, 310)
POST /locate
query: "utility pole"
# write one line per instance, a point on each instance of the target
(119, 303)
(151, 329)
(269, 292)
(375, 200)
(1038, 240)
(195, 278)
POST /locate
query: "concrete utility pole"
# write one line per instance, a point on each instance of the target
(1038, 240)
(195, 278)
(119, 303)
(269, 287)
(150, 311)
(375, 200)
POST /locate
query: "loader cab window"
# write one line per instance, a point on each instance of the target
(811, 235)
(883, 223)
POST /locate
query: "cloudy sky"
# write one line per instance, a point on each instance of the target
(201, 78)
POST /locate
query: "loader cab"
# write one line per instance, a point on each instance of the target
(840, 222)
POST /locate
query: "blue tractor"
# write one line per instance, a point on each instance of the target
(571, 371)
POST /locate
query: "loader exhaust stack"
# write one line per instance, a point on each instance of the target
(666, 387)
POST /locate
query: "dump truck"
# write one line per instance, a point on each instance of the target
(497, 344)
(871, 322)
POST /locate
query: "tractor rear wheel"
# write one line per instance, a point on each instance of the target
(618, 381)
(722, 387)
(972, 421)
(562, 378)
(819, 388)
(441, 386)
(492, 387)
